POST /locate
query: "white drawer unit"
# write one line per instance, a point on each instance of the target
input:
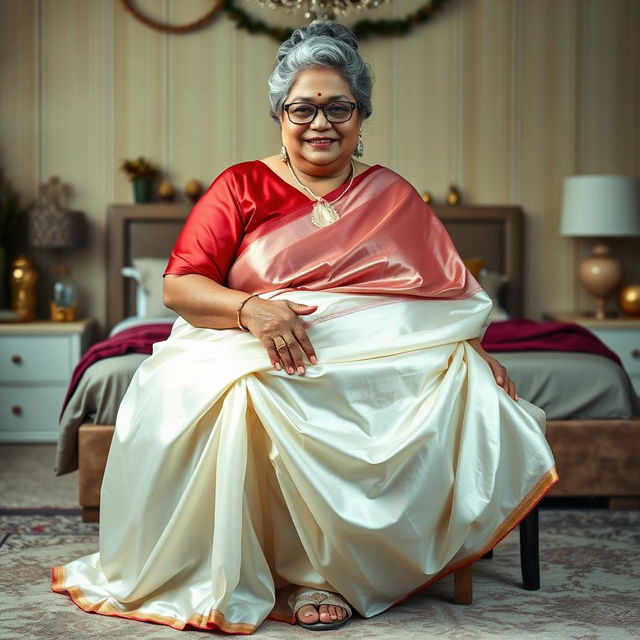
(36, 363)
(626, 343)
(621, 335)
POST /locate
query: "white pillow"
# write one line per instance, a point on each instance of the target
(147, 272)
(492, 282)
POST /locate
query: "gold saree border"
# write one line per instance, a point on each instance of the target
(214, 620)
(519, 513)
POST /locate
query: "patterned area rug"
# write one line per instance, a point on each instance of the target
(590, 574)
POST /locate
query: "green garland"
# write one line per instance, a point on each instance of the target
(363, 29)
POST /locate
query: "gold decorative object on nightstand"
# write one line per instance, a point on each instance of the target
(629, 300)
(24, 278)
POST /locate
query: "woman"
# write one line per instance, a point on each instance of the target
(322, 430)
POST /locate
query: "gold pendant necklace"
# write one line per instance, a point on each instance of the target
(323, 213)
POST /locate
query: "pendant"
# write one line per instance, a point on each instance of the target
(323, 214)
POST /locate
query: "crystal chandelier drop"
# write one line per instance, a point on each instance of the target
(322, 9)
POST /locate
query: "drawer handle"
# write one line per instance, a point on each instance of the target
(635, 353)
(16, 359)
(16, 410)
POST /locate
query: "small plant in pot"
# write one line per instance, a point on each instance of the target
(141, 172)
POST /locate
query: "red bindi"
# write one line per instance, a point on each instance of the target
(319, 94)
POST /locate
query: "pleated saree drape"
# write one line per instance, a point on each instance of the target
(393, 461)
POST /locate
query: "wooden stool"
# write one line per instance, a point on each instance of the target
(529, 562)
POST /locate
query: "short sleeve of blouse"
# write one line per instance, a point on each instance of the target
(211, 234)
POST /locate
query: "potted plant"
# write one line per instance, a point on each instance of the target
(141, 173)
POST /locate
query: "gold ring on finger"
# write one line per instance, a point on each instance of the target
(279, 342)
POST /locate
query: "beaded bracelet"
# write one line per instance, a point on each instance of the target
(239, 309)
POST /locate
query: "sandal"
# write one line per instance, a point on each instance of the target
(317, 597)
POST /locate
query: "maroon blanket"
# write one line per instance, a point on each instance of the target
(510, 335)
(529, 335)
(135, 340)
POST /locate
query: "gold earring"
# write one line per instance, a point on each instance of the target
(284, 156)
(359, 150)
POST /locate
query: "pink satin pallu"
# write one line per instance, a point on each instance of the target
(387, 241)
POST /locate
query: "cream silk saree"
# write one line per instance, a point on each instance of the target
(393, 462)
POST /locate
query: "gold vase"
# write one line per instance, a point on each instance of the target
(24, 278)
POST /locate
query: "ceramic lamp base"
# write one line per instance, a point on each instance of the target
(601, 275)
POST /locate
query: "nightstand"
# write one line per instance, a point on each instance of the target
(621, 335)
(36, 363)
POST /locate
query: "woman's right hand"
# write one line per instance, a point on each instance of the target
(277, 324)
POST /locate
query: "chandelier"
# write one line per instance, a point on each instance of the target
(322, 9)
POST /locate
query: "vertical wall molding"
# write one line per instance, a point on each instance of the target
(238, 92)
(168, 112)
(110, 93)
(457, 141)
(40, 150)
(580, 87)
(581, 113)
(515, 121)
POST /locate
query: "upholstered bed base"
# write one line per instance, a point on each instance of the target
(593, 458)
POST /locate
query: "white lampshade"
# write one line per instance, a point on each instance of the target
(600, 206)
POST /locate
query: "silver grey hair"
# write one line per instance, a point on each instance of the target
(320, 44)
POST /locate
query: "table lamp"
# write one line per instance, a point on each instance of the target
(600, 207)
(55, 228)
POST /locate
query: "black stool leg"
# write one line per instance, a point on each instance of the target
(529, 551)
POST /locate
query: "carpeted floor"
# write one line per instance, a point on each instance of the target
(590, 570)
(27, 478)
(590, 574)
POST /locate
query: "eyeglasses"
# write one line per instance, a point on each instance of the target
(305, 112)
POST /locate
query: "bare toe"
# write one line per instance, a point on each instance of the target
(307, 614)
(331, 613)
(325, 616)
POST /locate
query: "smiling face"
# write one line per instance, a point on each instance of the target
(320, 148)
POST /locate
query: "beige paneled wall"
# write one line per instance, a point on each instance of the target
(544, 142)
(501, 97)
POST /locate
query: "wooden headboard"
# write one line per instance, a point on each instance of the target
(136, 231)
(495, 233)
(149, 230)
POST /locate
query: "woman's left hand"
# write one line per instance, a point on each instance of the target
(499, 371)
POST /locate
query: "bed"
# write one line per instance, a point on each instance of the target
(593, 428)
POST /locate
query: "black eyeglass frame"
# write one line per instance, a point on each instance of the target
(322, 107)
